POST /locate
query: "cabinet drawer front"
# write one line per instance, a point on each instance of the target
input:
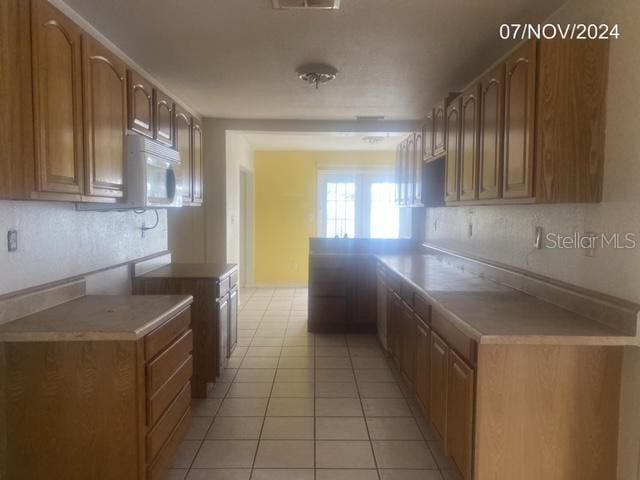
(161, 368)
(422, 308)
(233, 279)
(158, 470)
(458, 341)
(223, 287)
(162, 336)
(157, 437)
(159, 402)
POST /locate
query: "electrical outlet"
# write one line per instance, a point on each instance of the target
(537, 241)
(12, 240)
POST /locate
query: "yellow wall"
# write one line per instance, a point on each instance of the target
(285, 208)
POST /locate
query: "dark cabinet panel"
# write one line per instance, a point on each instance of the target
(57, 90)
(140, 104)
(422, 367)
(184, 145)
(491, 132)
(452, 159)
(439, 362)
(469, 137)
(105, 120)
(163, 118)
(233, 319)
(519, 122)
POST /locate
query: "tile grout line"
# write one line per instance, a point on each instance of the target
(366, 424)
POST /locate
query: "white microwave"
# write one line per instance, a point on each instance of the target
(153, 175)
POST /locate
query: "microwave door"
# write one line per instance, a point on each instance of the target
(161, 182)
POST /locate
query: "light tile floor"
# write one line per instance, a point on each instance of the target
(296, 406)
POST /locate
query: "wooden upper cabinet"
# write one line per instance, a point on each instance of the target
(422, 383)
(439, 363)
(427, 137)
(163, 118)
(491, 129)
(570, 120)
(460, 405)
(184, 145)
(105, 120)
(469, 137)
(409, 168)
(453, 120)
(439, 128)
(417, 169)
(198, 163)
(140, 104)
(519, 122)
(57, 89)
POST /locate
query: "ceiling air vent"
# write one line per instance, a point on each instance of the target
(307, 4)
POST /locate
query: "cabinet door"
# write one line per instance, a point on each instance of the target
(427, 137)
(198, 163)
(439, 129)
(417, 169)
(398, 173)
(519, 122)
(460, 401)
(140, 104)
(184, 145)
(439, 355)
(394, 322)
(233, 320)
(409, 169)
(57, 89)
(105, 120)
(491, 133)
(422, 380)
(408, 344)
(469, 136)
(453, 150)
(223, 330)
(163, 118)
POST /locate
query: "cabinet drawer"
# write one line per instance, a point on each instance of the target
(406, 292)
(233, 279)
(162, 336)
(158, 470)
(159, 402)
(157, 437)
(422, 307)
(223, 287)
(161, 368)
(458, 341)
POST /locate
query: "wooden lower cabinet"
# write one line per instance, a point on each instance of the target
(459, 415)
(107, 409)
(408, 334)
(215, 311)
(439, 363)
(423, 365)
(508, 411)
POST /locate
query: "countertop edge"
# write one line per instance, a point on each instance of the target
(181, 304)
(489, 339)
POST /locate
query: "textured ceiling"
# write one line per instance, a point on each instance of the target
(237, 58)
(331, 141)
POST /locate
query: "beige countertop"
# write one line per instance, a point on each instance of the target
(96, 317)
(191, 270)
(492, 313)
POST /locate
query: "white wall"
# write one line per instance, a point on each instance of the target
(55, 241)
(505, 234)
(240, 155)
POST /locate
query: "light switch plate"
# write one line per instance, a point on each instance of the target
(12, 240)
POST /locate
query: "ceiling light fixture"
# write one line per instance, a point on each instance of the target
(372, 139)
(317, 73)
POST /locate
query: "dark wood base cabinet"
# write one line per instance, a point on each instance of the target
(507, 411)
(342, 294)
(95, 409)
(215, 312)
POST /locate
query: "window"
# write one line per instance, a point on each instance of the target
(384, 216)
(341, 209)
(360, 204)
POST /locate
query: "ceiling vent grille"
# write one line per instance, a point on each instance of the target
(307, 4)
